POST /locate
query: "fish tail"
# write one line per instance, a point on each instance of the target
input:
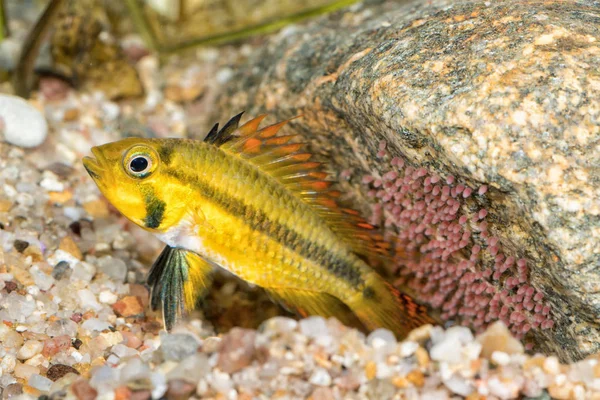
(380, 305)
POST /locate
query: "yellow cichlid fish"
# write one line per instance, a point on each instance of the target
(250, 202)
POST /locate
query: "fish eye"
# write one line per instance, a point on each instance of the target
(139, 164)
(140, 161)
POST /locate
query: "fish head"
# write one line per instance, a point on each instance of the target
(128, 173)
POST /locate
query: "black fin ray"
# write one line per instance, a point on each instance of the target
(218, 137)
(178, 278)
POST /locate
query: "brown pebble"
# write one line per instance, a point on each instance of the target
(370, 370)
(178, 389)
(422, 357)
(237, 350)
(96, 208)
(128, 306)
(83, 391)
(560, 391)
(322, 393)
(416, 377)
(71, 114)
(77, 344)
(67, 244)
(10, 286)
(400, 382)
(5, 205)
(497, 337)
(131, 340)
(53, 88)
(122, 393)
(60, 197)
(135, 289)
(152, 326)
(57, 371)
(31, 391)
(56, 345)
(20, 245)
(141, 395)
(88, 314)
(12, 390)
(76, 317)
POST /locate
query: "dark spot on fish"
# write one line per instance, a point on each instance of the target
(368, 293)
(155, 207)
(155, 212)
(166, 152)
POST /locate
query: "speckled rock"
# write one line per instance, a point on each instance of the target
(503, 94)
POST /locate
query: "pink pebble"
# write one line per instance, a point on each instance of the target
(482, 213)
(467, 192)
(450, 179)
(381, 153)
(382, 145)
(482, 190)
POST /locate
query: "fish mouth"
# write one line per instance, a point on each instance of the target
(92, 164)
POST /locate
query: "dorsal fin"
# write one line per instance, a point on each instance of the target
(218, 137)
(291, 166)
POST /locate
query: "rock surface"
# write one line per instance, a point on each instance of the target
(499, 94)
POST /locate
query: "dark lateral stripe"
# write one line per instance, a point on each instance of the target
(278, 232)
(155, 208)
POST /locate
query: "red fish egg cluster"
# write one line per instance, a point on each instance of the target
(463, 269)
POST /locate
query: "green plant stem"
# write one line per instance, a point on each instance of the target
(23, 74)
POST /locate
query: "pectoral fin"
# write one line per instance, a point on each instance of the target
(178, 279)
(306, 303)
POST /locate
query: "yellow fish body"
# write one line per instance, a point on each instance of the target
(252, 203)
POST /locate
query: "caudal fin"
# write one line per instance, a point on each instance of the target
(382, 306)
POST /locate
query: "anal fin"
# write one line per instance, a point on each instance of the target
(307, 303)
(178, 279)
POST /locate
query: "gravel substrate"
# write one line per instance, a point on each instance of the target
(74, 309)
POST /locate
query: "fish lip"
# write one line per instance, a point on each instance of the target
(93, 164)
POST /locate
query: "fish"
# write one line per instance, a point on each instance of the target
(255, 203)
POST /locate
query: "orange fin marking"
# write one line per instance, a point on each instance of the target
(383, 306)
(287, 163)
(251, 126)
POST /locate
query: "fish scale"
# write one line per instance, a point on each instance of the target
(248, 201)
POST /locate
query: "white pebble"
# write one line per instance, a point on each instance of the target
(94, 324)
(8, 363)
(24, 125)
(107, 297)
(314, 326)
(381, 339)
(52, 185)
(459, 385)
(88, 300)
(29, 349)
(320, 377)
(407, 349)
(448, 350)
(500, 358)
